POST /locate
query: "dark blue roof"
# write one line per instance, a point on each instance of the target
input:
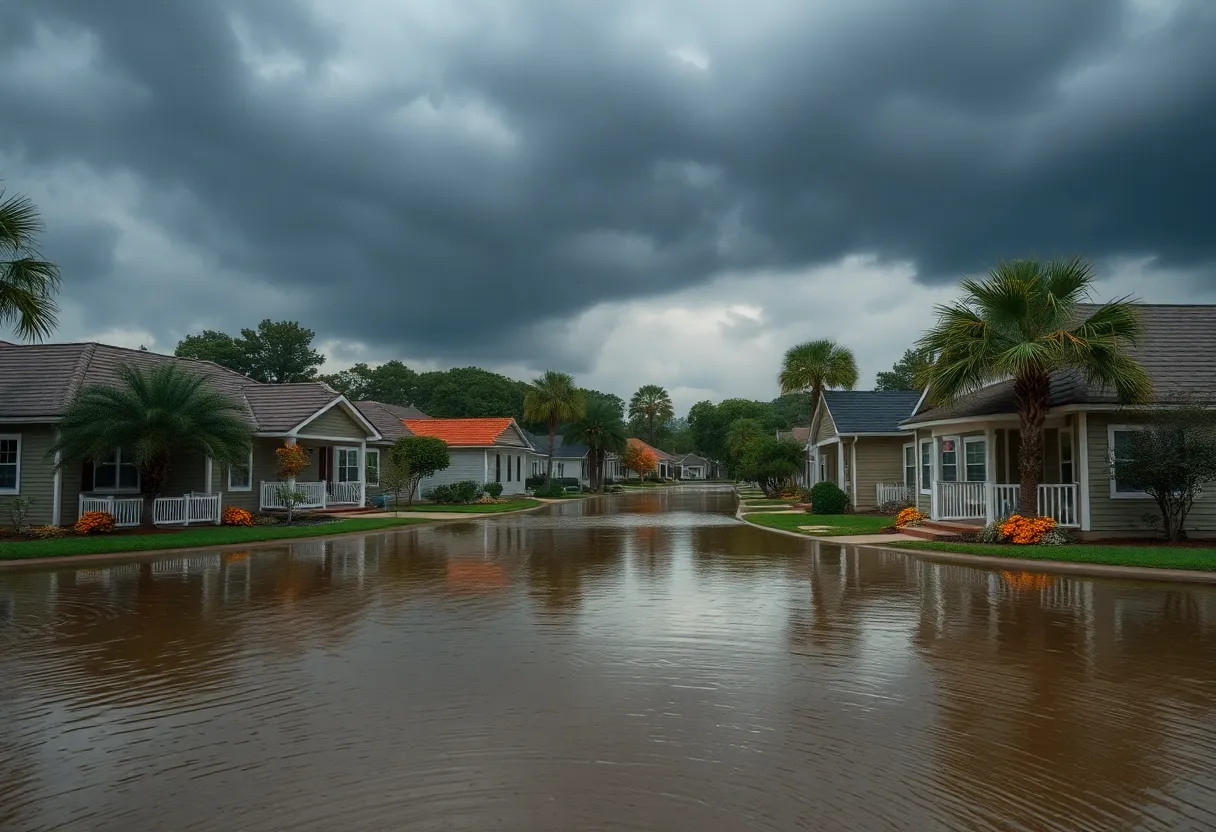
(561, 448)
(870, 411)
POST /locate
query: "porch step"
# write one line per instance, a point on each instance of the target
(952, 526)
(940, 530)
(927, 534)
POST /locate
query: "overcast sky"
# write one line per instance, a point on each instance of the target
(667, 191)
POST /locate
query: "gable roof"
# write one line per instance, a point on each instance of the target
(692, 459)
(1175, 351)
(283, 407)
(660, 455)
(461, 433)
(869, 411)
(389, 418)
(796, 434)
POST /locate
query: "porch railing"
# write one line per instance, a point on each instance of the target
(187, 509)
(962, 500)
(345, 493)
(314, 494)
(1004, 501)
(126, 511)
(1060, 503)
(893, 493)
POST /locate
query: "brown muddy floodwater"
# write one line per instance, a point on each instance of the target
(643, 662)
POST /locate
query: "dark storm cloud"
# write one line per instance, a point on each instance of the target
(592, 165)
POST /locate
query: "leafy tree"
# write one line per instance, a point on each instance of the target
(216, 347)
(709, 423)
(391, 382)
(420, 457)
(771, 463)
(395, 475)
(742, 432)
(1172, 459)
(651, 407)
(907, 373)
(469, 392)
(27, 282)
(602, 430)
(1024, 322)
(554, 400)
(640, 460)
(612, 400)
(277, 352)
(789, 410)
(154, 416)
(816, 366)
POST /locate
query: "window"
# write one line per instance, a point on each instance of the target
(975, 457)
(583, 470)
(508, 467)
(519, 461)
(950, 460)
(346, 464)
(372, 471)
(559, 469)
(823, 465)
(116, 473)
(926, 465)
(240, 477)
(1119, 437)
(10, 464)
(909, 467)
(1066, 469)
(497, 467)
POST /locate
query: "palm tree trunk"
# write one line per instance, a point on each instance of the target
(1031, 395)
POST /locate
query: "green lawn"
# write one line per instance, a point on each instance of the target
(475, 508)
(837, 524)
(1160, 557)
(191, 538)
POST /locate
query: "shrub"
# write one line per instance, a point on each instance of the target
(18, 512)
(910, 516)
(614, 489)
(291, 460)
(1025, 531)
(788, 492)
(95, 522)
(493, 489)
(828, 498)
(1055, 536)
(991, 533)
(466, 491)
(47, 532)
(234, 516)
(552, 491)
(534, 483)
(265, 520)
(441, 494)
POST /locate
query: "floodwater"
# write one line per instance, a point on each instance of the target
(637, 663)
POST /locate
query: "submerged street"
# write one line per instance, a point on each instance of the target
(638, 662)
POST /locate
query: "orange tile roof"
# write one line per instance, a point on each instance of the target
(459, 432)
(660, 455)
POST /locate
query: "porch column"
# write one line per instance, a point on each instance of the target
(853, 472)
(291, 481)
(989, 474)
(208, 471)
(362, 472)
(1080, 453)
(840, 463)
(57, 494)
(935, 446)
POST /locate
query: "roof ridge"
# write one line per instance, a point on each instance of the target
(79, 373)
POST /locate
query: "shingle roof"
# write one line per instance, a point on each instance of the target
(869, 411)
(798, 434)
(464, 433)
(1176, 351)
(281, 407)
(389, 418)
(561, 448)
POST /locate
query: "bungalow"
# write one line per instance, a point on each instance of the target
(570, 459)
(482, 450)
(855, 441)
(692, 467)
(966, 453)
(38, 382)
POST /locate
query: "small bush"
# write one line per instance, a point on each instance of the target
(234, 516)
(910, 516)
(533, 483)
(828, 498)
(48, 532)
(613, 489)
(1055, 536)
(991, 533)
(894, 507)
(1026, 531)
(494, 489)
(466, 491)
(95, 522)
(443, 494)
(552, 491)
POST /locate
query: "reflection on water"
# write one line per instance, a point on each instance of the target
(639, 663)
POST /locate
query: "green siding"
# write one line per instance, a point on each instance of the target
(1123, 514)
(335, 422)
(879, 459)
(37, 472)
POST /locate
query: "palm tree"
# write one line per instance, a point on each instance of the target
(154, 416)
(27, 283)
(651, 406)
(553, 399)
(817, 366)
(1026, 322)
(602, 430)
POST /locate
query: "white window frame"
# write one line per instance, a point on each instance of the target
(911, 486)
(925, 487)
(117, 489)
(970, 440)
(367, 468)
(1062, 434)
(248, 487)
(16, 489)
(1111, 430)
(958, 458)
(339, 451)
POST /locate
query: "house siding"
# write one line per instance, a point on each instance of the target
(1127, 515)
(334, 422)
(37, 472)
(471, 464)
(826, 429)
(879, 459)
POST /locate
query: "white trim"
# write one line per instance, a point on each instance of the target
(963, 457)
(1081, 465)
(30, 420)
(925, 487)
(57, 485)
(964, 420)
(904, 466)
(958, 459)
(853, 465)
(1111, 430)
(990, 455)
(232, 487)
(16, 489)
(209, 470)
(840, 465)
(823, 443)
(916, 408)
(138, 489)
(351, 410)
(379, 459)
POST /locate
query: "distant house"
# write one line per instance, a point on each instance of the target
(666, 463)
(693, 467)
(855, 441)
(482, 450)
(801, 435)
(966, 454)
(570, 459)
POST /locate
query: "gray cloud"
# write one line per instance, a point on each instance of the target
(439, 180)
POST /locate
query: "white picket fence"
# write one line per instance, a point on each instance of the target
(166, 511)
(126, 511)
(893, 493)
(991, 501)
(315, 494)
(345, 493)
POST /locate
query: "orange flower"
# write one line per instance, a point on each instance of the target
(95, 522)
(1026, 531)
(292, 460)
(234, 516)
(910, 517)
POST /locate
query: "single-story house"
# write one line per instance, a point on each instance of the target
(482, 450)
(693, 467)
(39, 381)
(570, 459)
(855, 441)
(967, 452)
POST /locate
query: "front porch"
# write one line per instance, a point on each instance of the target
(317, 495)
(128, 512)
